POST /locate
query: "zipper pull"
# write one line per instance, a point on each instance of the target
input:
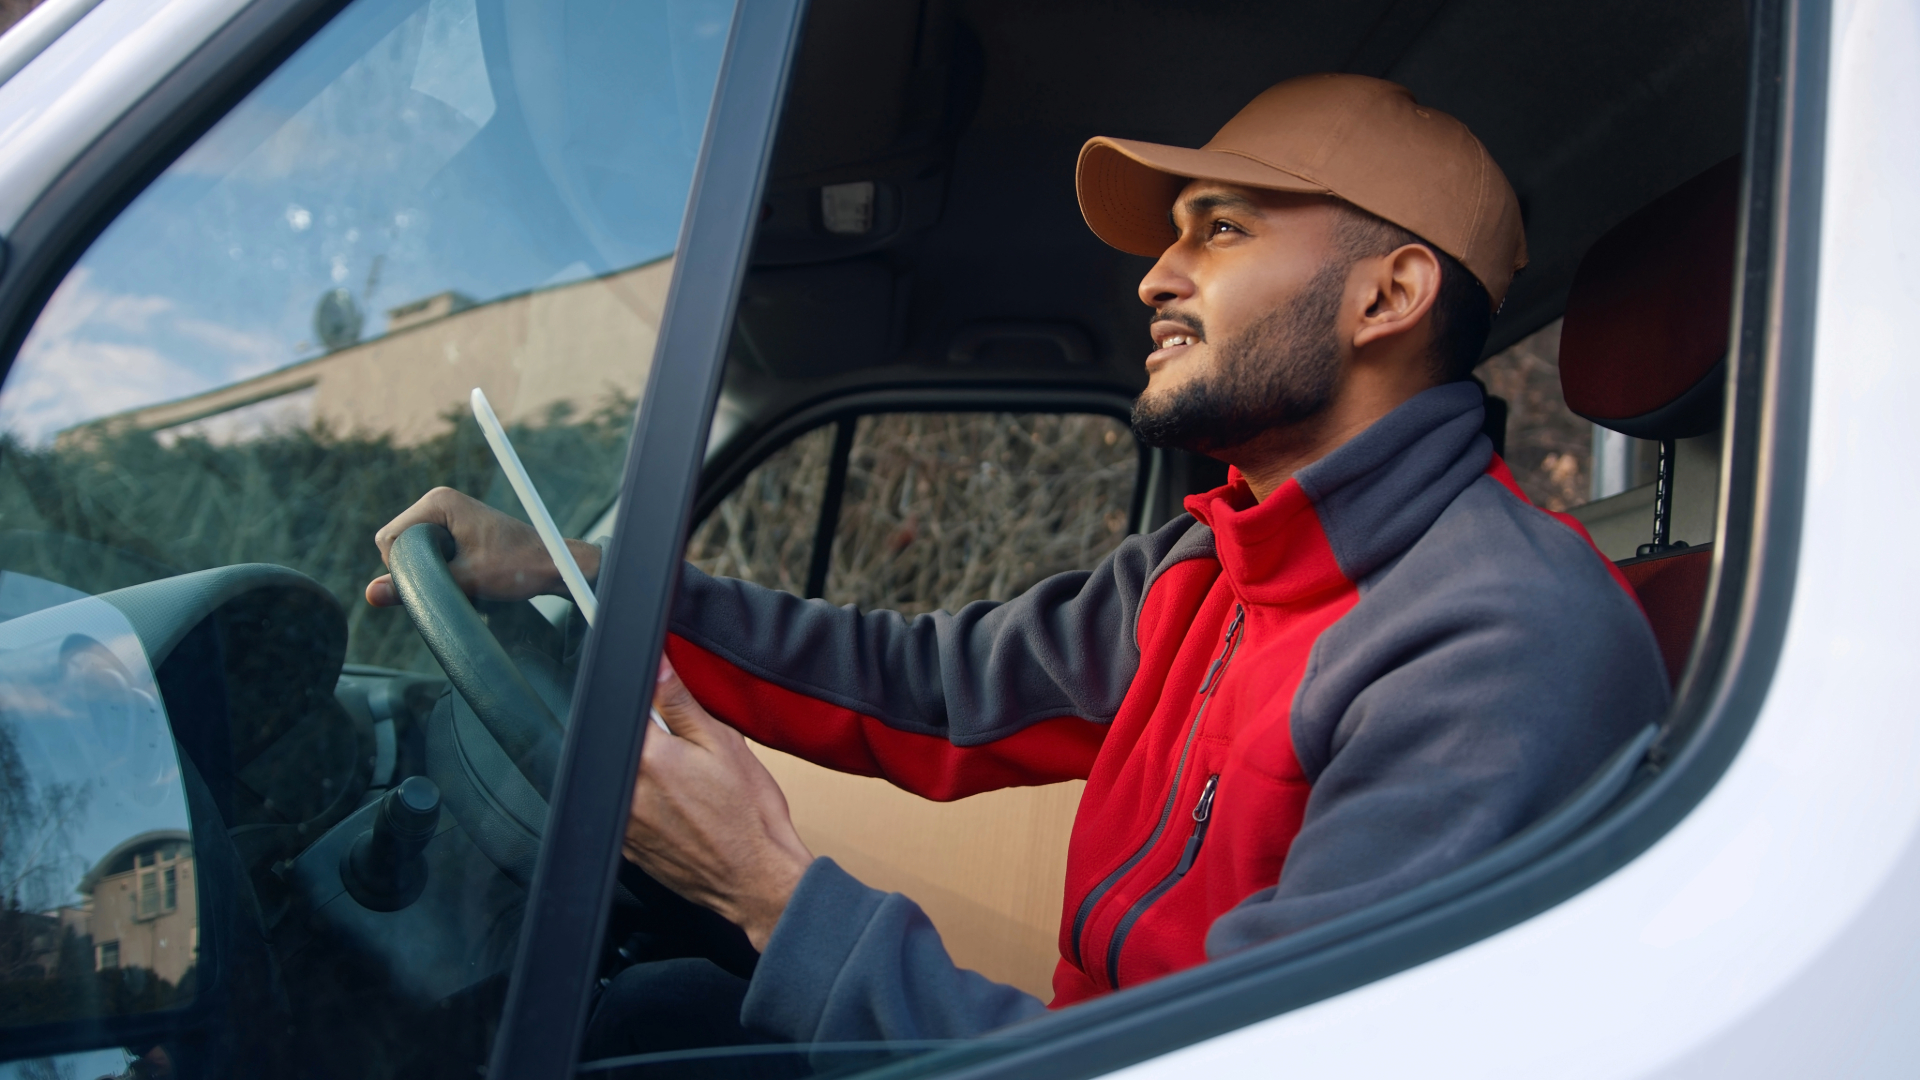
(1204, 808)
(1226, 648)
(1202, 812)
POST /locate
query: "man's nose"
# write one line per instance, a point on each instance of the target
(1168, 282)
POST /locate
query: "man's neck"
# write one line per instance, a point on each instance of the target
(1275, 456)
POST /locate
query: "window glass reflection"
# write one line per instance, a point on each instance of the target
(94, 841)
(265, 357)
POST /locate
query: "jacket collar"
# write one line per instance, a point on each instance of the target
(1346, 515)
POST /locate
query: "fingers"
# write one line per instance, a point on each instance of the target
(435, 507)
(684, 716)
(431, 507)
(497, 557)
(707, 820)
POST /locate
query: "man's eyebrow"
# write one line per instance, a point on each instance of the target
(1201, 205)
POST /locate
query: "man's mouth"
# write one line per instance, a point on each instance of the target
(1169, 341)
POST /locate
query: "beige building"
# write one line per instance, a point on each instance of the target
(140, 909)
(571, 345)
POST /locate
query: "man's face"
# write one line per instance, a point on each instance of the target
(1246, 318)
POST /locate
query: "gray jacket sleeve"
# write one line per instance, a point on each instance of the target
(1435, 723)
(1064, 647)
(849, 963)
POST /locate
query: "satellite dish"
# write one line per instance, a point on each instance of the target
(337, 319)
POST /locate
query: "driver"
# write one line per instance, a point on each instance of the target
(1361, 663)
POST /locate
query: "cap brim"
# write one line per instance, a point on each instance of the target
(1127, 188)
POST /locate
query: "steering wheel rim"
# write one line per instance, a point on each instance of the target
(501, 815)
(479, 668)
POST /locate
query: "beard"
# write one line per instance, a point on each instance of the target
(1281, 370)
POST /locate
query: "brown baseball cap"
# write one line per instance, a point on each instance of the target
(1366, 141)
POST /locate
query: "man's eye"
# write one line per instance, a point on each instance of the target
(1219, 227)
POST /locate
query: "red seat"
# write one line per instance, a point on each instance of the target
(1643, 352)
(1672, 588)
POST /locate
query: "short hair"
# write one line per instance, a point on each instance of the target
(1462, 314)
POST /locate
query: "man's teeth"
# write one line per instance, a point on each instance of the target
(1175, 340)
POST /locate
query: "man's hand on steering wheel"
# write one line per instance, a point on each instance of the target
(498, 557)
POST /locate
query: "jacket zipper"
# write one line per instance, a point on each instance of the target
(1207, 689)
(1202, 814)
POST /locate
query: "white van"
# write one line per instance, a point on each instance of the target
(799, 292)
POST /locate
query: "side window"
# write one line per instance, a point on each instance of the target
(764, 530)
(264, 358)
(926, 510)
(945, 508)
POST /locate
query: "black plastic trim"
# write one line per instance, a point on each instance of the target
(51, 236)
(573, 882)
(1720, 695)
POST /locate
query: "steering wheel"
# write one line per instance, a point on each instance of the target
(493, 746)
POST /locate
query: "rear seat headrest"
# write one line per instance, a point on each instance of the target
(1644, 345)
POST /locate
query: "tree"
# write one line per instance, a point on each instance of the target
(37, 861)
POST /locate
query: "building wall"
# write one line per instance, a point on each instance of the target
(573, 345)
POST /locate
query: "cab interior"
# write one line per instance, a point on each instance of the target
(973, 284)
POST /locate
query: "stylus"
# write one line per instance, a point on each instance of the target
(536, 508)
(509, 459)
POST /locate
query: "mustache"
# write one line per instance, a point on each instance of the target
(1176, 315)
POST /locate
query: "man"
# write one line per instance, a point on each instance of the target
(1361, 663)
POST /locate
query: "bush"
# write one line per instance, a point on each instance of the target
(107, 508)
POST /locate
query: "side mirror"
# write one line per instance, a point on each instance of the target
(101, 925)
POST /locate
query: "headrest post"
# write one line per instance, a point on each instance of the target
(1662, 502)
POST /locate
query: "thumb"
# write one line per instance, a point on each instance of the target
(381, 593)
(675, 704)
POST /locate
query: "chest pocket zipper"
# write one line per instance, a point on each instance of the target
(1202, 816)
(1207, 688)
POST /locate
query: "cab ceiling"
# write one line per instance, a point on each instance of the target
(967, 118)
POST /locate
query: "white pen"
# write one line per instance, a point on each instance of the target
(556, 544)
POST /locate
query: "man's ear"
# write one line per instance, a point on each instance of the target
(1401, 287)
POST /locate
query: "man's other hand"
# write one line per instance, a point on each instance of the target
(707, 819)
(496, 557)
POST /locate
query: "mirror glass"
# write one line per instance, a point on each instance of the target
(96, 857)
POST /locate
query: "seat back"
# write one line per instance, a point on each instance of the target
(1643, 352)
(1672, 589)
